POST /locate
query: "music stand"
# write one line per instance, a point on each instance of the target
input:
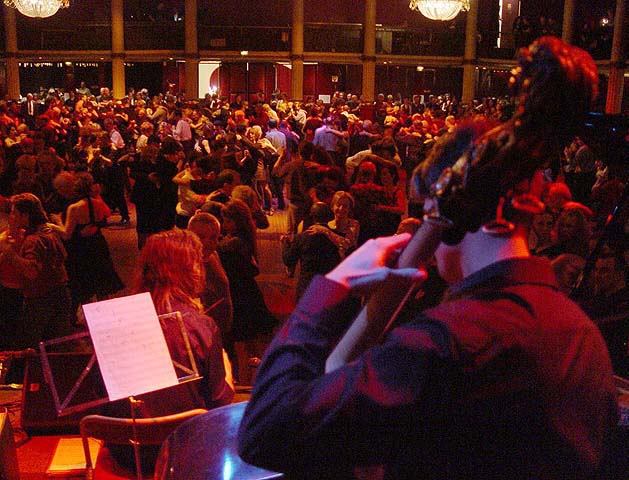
(63, 400)
(105, 320)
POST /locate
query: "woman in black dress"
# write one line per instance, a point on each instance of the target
(237, 250)
(90, 267)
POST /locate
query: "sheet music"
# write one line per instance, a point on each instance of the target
(130, 346)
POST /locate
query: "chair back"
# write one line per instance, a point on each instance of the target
(148, 431)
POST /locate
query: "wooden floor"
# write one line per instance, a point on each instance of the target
(35, 453)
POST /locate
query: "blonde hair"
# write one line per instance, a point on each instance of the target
(339, 196)
(170, 267)
(204, 218)
(256, 131)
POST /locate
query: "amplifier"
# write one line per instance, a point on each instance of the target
(39, 411)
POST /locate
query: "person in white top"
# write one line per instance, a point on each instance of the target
(183, 132)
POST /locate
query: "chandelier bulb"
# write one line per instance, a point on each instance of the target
(37, 8)
(442, 10)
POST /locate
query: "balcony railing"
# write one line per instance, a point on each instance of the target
(77, 36)
(154, 35)
(398, 41)
(274, 39)
(337, 38)
(318, 37)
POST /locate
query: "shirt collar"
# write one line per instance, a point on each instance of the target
(513, 271)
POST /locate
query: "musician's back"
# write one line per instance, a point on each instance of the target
(506, 378)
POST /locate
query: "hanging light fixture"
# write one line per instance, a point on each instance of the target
(37, 8)
(440, 9)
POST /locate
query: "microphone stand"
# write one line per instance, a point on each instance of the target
(581, 285)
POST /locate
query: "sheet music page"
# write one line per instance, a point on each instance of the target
(130, 346)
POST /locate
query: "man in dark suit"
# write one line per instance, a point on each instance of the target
(30, 110)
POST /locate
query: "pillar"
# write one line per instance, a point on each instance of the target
(469, 57)
(191, 51)
(568, 21)
(13, 65)
(117, 49)
(369, 52)
(297, 51)
(615, 85)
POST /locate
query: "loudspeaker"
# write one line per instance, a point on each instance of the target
(39, 412)
(8, 455)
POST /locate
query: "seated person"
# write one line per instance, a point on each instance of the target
(171, 268)
(609, 306)
(567, 268)
(610, 285)
(506, 378)
(540, 237)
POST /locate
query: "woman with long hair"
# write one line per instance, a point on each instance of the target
(170, 268)
(261, 177)
(395, 199)
(238, 253)
(571, 233)
(90, 266)
(33, 256)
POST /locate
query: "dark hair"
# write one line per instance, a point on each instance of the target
(213, 208)
(320, 212)
(83, 182)
(392, 170)
(306, 149)
(226, 176)
(272, 123)
(31, 205)
(240, 214)
(555, 83)
(203, 162)
(384, 145)
(170, 146)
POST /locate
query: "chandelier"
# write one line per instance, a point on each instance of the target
(440, 9)
(37, 8)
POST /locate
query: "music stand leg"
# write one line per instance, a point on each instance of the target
(134, 441)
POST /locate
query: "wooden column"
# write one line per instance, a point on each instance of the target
(568, 21)
(117, 49)
(13, 65)
(469, 57)
(191, 51)
(297, 51)
(615, 85)
(369, 52)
